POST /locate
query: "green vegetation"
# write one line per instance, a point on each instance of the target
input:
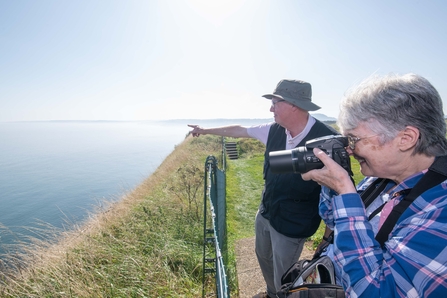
(150, 243)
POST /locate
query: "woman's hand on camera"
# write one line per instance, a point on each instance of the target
(331, 175)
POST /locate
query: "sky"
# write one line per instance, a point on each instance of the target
(202, 59)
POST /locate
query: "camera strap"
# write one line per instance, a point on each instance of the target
(373, 191)
(436, 174)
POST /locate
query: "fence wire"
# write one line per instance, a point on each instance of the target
(215, 244)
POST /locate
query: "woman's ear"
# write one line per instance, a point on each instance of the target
(408, 138)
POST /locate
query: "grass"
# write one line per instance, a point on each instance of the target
(149, 243)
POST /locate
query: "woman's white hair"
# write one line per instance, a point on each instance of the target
(388, 104)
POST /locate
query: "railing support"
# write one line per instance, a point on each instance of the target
(214, 237)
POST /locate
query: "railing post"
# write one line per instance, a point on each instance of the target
(214, 191)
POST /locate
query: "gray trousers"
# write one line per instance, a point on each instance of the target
(275, 253)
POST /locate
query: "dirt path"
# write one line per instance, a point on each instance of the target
(249, 274)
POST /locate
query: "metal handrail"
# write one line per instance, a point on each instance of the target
(222, 289)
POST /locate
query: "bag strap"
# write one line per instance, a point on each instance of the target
(436, 174)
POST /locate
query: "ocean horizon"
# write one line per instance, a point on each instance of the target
(57, 173)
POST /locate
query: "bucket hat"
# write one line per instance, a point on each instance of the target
(296, 92)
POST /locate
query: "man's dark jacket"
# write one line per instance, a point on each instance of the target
(289, 202)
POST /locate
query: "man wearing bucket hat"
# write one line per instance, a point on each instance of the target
(288, 213)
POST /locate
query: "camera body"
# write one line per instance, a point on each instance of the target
(302, 159)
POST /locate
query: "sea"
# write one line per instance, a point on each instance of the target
(56, 173)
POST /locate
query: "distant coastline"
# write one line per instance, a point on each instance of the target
(319, 116)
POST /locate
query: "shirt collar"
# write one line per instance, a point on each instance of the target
(293, 142)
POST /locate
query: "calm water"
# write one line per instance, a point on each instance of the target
(58, 172)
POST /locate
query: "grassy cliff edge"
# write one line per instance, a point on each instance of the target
(148, 244)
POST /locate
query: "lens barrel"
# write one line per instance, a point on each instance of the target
(298, 160)
(302, 159)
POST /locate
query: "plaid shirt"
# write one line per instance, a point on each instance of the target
(414, 260)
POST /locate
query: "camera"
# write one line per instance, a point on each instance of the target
(302, 159)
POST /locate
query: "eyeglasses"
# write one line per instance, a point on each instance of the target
(352, 140)
(275, 102)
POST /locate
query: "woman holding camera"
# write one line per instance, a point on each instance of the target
(396, 129)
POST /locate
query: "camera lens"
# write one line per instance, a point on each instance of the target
(302, 159)
(298, 160)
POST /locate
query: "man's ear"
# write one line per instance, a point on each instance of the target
(408, 138)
